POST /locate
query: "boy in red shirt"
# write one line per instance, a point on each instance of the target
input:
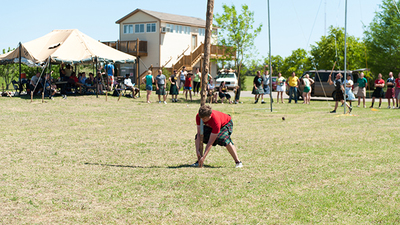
(217, 131)
(378, 92)
(188, 86)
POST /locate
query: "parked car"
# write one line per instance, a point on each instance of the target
(321, 87)
(230, 78)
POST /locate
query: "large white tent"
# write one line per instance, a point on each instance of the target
(65, 46)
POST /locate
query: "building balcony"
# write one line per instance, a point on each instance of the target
(135, 48)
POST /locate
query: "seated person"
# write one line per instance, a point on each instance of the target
(130, 86)
(223, 93)
(74, 81)
(36, 85)
(211, 93)
(50, 86)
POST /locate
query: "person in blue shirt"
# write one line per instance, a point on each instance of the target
(149, 80)
(110, 72)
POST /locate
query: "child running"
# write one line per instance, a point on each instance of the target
(217, 131)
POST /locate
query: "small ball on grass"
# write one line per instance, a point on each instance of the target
(283, 118)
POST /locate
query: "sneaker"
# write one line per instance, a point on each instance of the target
(159, 102)
(358, 106)
(239, 165)
(334, 111)
(388, 107)
(165, 102)
(393, 107)
(350, 109)
(51, 98)
(263, 102)
(196, 164)
(255, 102)
(365, 106)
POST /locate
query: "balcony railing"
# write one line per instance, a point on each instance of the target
(135, 48)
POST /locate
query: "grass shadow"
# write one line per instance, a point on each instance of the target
(188, 165)
(149, 167)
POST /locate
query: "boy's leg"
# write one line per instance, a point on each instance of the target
(380, 102)
(232, 150)
(373, 101)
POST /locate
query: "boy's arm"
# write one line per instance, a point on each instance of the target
(330, 80)
(208, 147)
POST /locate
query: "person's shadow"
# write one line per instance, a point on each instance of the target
(134, 167)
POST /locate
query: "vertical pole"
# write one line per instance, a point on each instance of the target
(97, 83)
(345, 52)
(137, 71)
(20, 70)
(270, 70)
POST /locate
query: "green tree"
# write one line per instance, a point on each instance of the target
(331, 48)
(298, 62)
(8, 71)
(237, 31)
(382, 38)
(277, 63)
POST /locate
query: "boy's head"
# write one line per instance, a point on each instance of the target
(205, 112)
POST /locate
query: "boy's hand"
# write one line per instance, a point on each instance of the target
(201, 162)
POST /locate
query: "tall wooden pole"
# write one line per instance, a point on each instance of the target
(207, 50)
(206, 65)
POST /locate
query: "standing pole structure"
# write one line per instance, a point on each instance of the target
(270, 67)
(206, 65)
(96, 79)
(20, 70)
(345, 54)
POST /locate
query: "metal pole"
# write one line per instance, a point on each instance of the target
(137, 71)
(270, 70)
(345, 52)
(20, 70)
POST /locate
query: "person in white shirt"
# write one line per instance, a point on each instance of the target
(130, 86)
(211, 93)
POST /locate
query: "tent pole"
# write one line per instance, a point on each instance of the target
(97, 83)
(20, 70)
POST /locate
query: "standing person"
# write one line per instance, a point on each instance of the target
(68, 72)
(397, 92)
(257, 87)
(293, 85)
(188, 86)
(339, 89)
(182, 78)
(390, 89)
(349, 89)
(149, 84)
(378, 92)
(223, 93)
(161, 85)
(174, 89)
(280, 87)
(266, 80)
(196, 82)
(218, 128)
(362, 88)
(110, 72)
(307, 89)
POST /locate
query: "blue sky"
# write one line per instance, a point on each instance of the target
(291, 20)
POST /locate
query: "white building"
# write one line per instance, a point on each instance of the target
(164, 40)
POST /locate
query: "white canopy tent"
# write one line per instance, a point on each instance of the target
(65, 46)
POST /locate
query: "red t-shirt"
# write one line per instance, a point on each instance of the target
(217, 120)
(381, 81)
(397, 81)
(188, 81)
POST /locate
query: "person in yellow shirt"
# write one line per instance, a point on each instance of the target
(293, 85)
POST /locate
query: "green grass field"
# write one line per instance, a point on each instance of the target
(87, 161)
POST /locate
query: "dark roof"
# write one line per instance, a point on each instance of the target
(166, 17)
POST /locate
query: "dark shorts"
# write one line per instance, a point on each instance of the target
(339, 96)
(161, 90)
(149, 87)
(224, 135)
(378, 93)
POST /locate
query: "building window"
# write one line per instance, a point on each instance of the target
(186, 30)
(128, 29)
(151, 28)
(202, 32)
(170, 28)
(178, 29)
(139, 28)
